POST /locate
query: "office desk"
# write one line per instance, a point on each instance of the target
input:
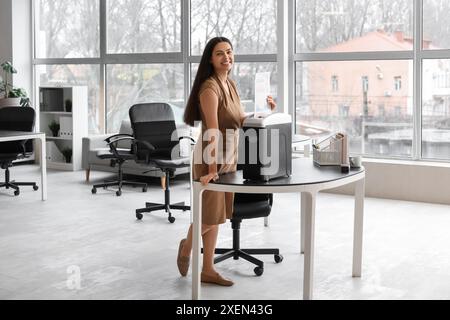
(306, 179)
(23, 135)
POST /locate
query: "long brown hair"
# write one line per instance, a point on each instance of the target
(205, 70)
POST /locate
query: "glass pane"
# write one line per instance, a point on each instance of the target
(353, 26)
(436, 32)
(436, 109)
(244, 75)
(129, 84)
(82, 75)
(361, 98)
(250, 25)
(144, 26)
(67, 29)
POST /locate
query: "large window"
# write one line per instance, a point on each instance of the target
(250, 24)
(355, 109)
(348, 25)
(144, 58)
(436, 29)
(141, 26)
(138, 83)
(369, 46)
(436, 109)
(67, 29)
(358, 66)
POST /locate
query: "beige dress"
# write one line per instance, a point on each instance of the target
(218, 206)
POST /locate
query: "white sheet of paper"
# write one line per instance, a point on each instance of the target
(262, 90)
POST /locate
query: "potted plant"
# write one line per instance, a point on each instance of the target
(12, 96)
(67, 153)
(54, 128)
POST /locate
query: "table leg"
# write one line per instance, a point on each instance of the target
(310, 208)
(302, 221)
(43, 169)
(196, 239)
(358, 227)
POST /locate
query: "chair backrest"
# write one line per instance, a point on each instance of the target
(16, 119)
(154, 123)
(249, 206)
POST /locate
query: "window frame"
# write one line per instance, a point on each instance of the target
(417, 55)
(285, 58)
(183, 57)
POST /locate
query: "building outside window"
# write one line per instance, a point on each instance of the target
(334, 83)
(397, 83)
(365, 83)
(343, 111)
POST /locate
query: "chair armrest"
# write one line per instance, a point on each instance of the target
(117, 137)
(113, 140)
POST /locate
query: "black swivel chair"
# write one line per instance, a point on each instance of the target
(118, 156)
(248, 206)
(154, 131)
(16, 119)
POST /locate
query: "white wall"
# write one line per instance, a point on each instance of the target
(406, 180)
(5, 30)
(21, 44)
(15, 40)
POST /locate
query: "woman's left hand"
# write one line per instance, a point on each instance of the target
(271, 103)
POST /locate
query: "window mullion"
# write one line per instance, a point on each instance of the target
(417, 90)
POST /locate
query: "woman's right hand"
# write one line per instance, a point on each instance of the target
(208, 178)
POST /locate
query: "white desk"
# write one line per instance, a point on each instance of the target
(306, 179)
(23, 135)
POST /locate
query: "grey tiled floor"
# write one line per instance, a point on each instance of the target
(405, 256)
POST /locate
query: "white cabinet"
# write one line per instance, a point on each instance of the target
(68, 108)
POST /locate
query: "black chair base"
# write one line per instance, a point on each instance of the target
(15, 185)
(167, 206)
(150, 207)
(246, 255)
(120, 184)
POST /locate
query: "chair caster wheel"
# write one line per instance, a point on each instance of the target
(94, 190)
(35, 188)
(278, 258)
(139, 216)
(144, 189)
(171, 219)
(16, 193)
(258, 271)
(118, 193)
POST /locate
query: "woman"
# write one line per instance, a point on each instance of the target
(215, 102)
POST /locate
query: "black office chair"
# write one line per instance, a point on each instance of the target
(16, 119)
(117, 156)
(154, 131)
(248, 206)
